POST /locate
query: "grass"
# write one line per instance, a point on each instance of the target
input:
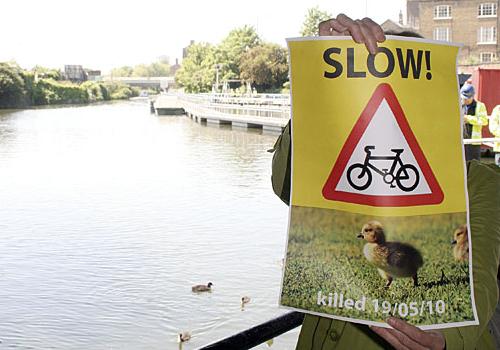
(325, 254)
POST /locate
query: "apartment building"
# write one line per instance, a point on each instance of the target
(473, 23)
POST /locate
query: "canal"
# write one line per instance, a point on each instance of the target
(109, 215)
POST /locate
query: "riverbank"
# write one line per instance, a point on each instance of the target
(21, 89)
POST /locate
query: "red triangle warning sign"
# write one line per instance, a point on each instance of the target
(381, 163)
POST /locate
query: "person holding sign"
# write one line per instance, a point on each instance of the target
(484, 183)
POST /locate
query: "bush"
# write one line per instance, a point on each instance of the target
(12, 87)
(119, 91)
(94, 91)
(48, 91)
(20, 88)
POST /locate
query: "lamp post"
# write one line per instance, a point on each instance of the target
(217, 67)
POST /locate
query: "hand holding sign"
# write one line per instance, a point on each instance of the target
(362, 31)
(405, 336)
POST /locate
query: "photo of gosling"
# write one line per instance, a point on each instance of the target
(392, 259)
(460, 244)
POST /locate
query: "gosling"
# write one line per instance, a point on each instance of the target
(461, 244)
(392, 259)
(202, 287)
(245, 300)
(184, 337)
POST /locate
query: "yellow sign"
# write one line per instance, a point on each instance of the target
(378, 185)
(409, 85)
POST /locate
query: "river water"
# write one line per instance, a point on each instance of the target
(108, 216)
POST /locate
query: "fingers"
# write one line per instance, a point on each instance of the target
(406, 328)
(398, 340)
(439, 341)
(406, 341)
(331, 27)
(362, 31)
(352, 26)
(370, 40)
(406, 336)
(375, 29)
(389, 337)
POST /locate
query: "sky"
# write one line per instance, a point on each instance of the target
(103, 34)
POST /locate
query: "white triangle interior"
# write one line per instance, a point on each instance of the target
(384, 133)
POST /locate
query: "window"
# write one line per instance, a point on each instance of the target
(442, 34)
(487, 57)
(487, 35)
(442, 11)
(414, 22)
(487, 10)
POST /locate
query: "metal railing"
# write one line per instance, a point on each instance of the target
(278, 107)
(485, 141)
(258, 334)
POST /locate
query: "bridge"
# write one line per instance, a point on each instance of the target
(163, 83)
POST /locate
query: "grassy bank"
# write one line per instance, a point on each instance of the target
(47, 91)
(20, 88)
(324, 254)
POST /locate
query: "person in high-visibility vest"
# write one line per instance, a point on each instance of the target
(475, 116)
(495, 130)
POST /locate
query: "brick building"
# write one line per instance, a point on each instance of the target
(473, 23)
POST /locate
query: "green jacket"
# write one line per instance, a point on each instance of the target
(484, 204)
(495, 126)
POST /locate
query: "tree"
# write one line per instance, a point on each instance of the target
(155, 69)
(141, 70)
(159, 69)
(49, 73)
(265, 66)
(231, 49)
(12, 87)
(197, 73)
(313, 18)
(125, 71)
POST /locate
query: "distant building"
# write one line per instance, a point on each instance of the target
(174, 68)
(93, 75)
(74, 73)
(185, 50)
(393, 27)
(473, 23)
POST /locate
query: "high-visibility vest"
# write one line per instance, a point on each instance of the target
(477, 121)
(495, 126)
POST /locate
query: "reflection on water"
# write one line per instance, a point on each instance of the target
(109, 215)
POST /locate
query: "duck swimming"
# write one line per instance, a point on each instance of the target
(392, 259)
(461, 244)
(202, 287)
(184, 337)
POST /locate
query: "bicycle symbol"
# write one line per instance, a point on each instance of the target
(406, 177)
